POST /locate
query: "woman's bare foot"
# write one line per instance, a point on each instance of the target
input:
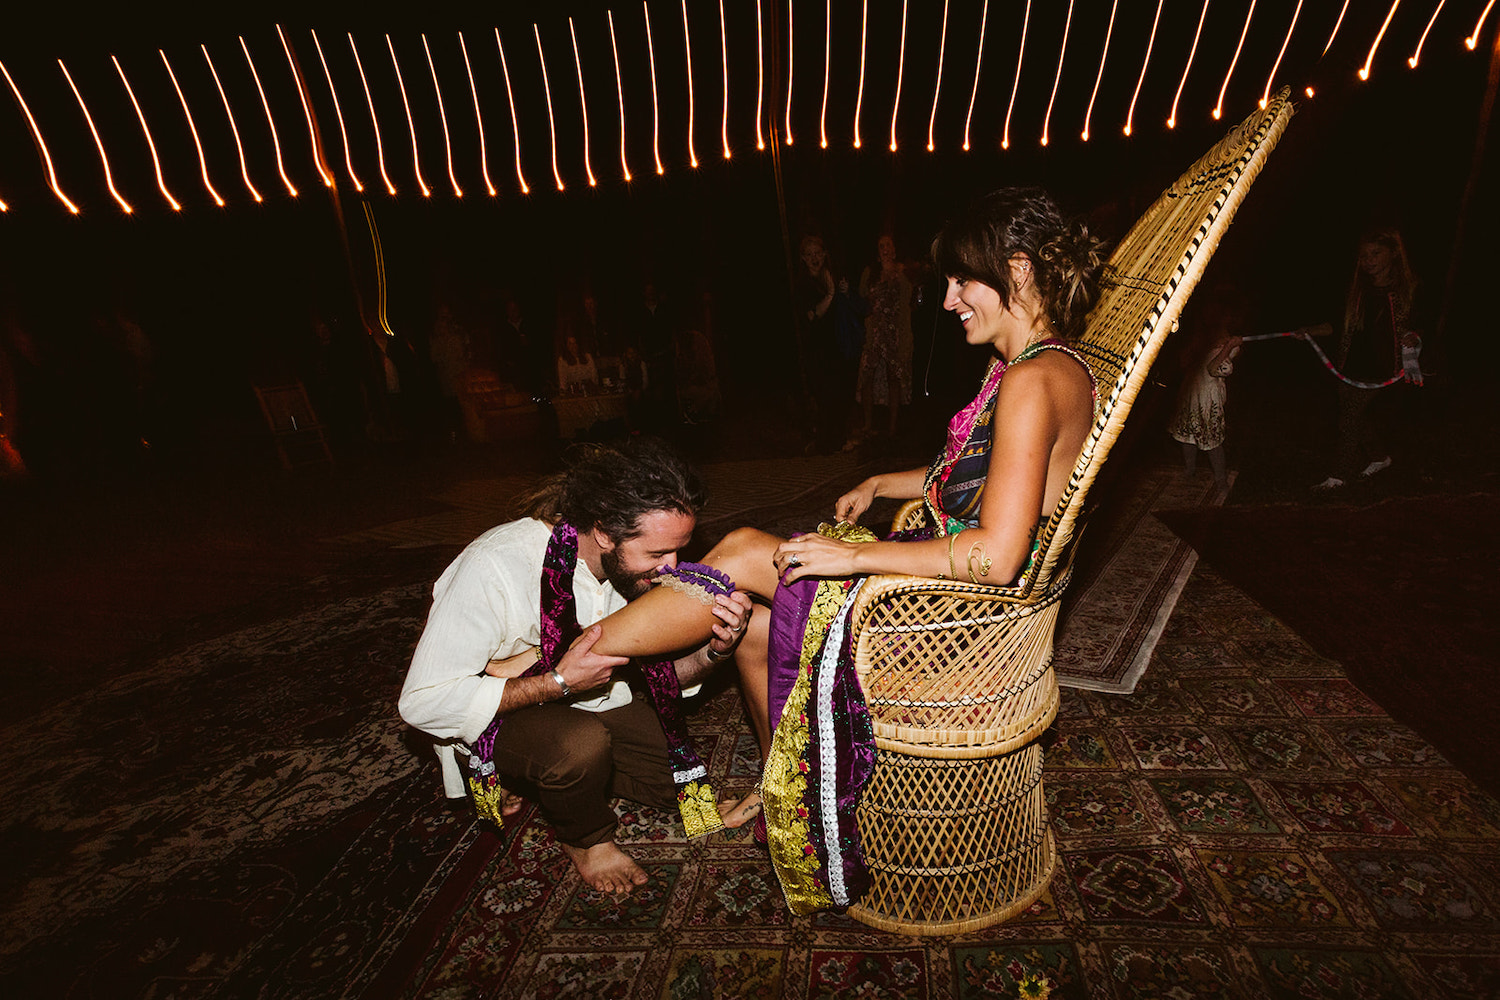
(511, 804)
(736, 814)
(607, 868)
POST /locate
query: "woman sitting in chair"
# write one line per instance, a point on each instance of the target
(1021, 279)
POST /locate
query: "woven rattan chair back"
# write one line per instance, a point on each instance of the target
(958, 676)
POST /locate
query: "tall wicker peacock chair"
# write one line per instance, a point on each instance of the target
(958, 677)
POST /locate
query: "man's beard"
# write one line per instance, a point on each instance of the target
(630, 585)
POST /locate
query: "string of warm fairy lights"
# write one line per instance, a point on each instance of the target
(437, 88)
(1145, 61)
(900, 72)
(583, 104)
(374, 118)
(484, 156)
(1473, 38)
(193, 128)
(234, 128)
(724, 60)
(626, 35)
(937, 86)
(312, 129)
(551, 119)
(271, 121)
(411, 125)
(109, 179)
(1364, 71)
(859, 93)
(984, 16)
(687, 45)
(619, 93)
(1016, 84)
(1062, 53)
(515, 127)
(790, 65)
(827, 65)
(1265, 95)
(1188, 66)
(1088, 115)
(150, 143)
(1229, 73)
(760, 80)
(655, 104)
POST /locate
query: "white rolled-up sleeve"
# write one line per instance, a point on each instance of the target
(479, 613)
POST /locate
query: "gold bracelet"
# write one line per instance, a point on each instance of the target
(984, 562)
(952, 572)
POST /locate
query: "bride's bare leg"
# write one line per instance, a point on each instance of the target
(750, 658)
(665, 619)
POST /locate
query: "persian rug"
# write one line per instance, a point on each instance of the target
(1130, 571)
(1399, 592)
(1246, 825)
(238, 812)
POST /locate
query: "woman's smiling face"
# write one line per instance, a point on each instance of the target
(978, 308)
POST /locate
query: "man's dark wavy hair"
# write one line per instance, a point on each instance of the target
(611, 487)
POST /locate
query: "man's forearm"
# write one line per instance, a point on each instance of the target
(523, 692)
(695, 667)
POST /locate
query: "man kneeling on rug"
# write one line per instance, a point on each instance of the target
(532, 626)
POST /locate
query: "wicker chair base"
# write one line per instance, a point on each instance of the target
(954, 845)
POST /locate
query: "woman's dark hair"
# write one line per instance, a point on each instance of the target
(1403, 285)
(1067, 262)
(611, 487)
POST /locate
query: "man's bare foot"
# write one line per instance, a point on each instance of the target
(607, 868)
(736, 814)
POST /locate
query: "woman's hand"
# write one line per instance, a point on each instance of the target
(813, 555)
(852, 505)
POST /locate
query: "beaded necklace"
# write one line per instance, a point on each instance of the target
(961, 427)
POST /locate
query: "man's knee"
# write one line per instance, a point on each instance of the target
(585, 754)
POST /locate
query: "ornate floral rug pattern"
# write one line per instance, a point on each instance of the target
(1129, 577)
(240, 813)
(1247, 824)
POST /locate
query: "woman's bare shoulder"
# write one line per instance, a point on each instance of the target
(1053, 372)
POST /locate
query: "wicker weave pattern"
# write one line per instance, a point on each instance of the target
(945, 839)
(953, 671)
(958, 677)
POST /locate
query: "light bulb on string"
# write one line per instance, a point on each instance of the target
(1061, 55)
(233, 128)
(1193, 51)
(1016, 84)
(337, 112)
(937, 86)
(1103, 55)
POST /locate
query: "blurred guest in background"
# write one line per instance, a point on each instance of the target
(885, 363)
(1383, 321)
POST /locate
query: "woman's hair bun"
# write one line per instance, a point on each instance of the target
(1068, 262)
(1072, 262)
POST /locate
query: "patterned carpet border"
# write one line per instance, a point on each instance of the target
(1245, 825)
(1131, 572)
